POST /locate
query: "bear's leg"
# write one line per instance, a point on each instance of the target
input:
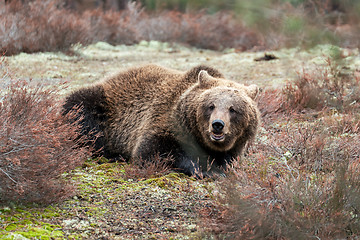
(187, 165)
(223, 161)
(201, 164)
(149, 145)
(164, 146)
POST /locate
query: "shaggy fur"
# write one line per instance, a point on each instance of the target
(152, 110)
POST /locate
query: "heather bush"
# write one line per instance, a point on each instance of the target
(113, 27)
(154, 167)
(217, 31)
(208, 31)
(27, 27)
(297, 182)
(39, 26)
(286, 22)
(37, 144)
(299, 179)
(328, 87)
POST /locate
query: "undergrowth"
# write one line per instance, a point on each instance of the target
(243, 25)
(153, 167)
(37, 144)
(299, 179)
(27, 27)
(329, 87)
(332, 88)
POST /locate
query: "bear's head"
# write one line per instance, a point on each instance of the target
(221, 114)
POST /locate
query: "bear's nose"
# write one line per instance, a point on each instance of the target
(218, 125)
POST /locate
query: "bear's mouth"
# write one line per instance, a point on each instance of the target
(217, 136)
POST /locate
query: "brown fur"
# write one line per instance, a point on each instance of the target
(153, 110)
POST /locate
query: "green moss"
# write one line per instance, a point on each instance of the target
(13, 226)
(42, 233)
(97, 184)
(167, 181)
(74, 236)
(176, 176)
(26, 222)
(50, 212)
(26, 229)
(114, 180)
(12, 236)
(155, 181)
(5, 210)
(107, 168)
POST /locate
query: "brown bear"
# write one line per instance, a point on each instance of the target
(198, 117)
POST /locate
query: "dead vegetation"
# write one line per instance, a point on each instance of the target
(243, 25)
(27, 27)
(37, 144)
(300, 178)
(154, 167)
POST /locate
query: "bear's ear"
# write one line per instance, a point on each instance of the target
(204, 78)
(252, 91)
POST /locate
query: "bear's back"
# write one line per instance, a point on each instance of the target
(141, 86)
(137, 97)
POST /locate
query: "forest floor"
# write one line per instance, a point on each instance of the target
(108, 203)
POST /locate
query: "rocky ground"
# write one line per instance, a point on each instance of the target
(109, 204)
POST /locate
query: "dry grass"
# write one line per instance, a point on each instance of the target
(154, 167)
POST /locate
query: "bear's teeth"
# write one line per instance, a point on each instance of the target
(217, 136)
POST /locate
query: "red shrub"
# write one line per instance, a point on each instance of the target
(201, 30)
(156, 166)
(40, 26)
(271, 103)
(297, 182)
(37, 144)
(113, 27)
(326, 87)
(48, 26)
(325, 90)
(299, 179)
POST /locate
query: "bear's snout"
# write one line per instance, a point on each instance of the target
(218, 125)
(217, 133)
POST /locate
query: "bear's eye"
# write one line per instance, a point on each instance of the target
(232, 110)
(211, 107)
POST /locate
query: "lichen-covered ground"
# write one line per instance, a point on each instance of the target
(85, 65)
(108, 205)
